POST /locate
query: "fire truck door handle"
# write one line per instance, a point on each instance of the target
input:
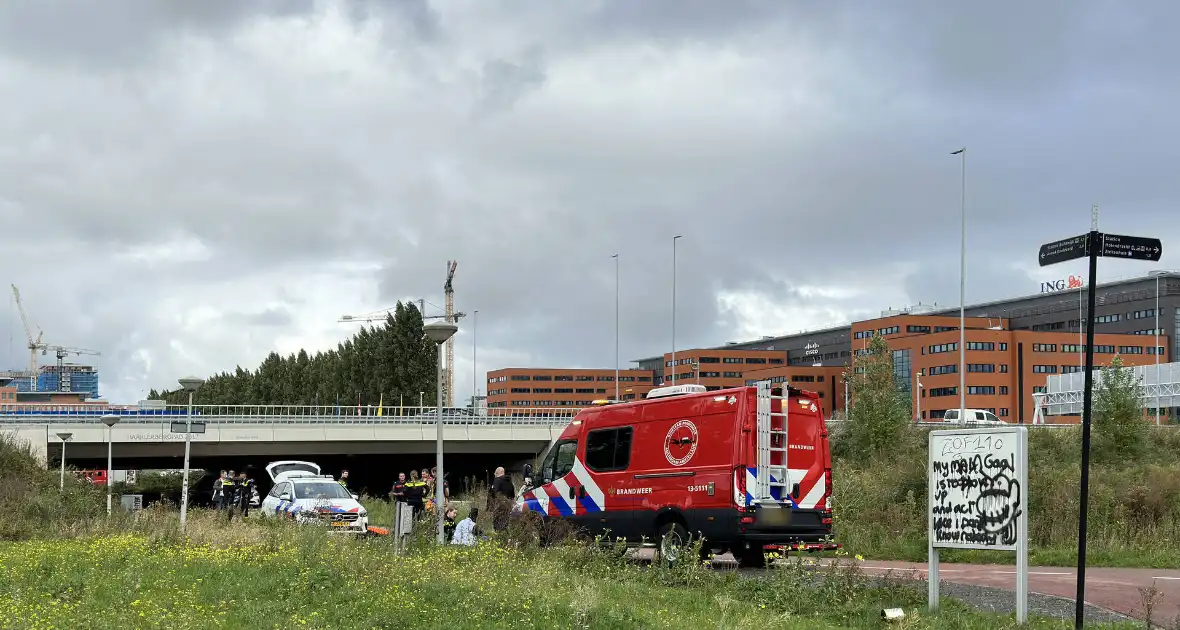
(582, 491)
(573, 492)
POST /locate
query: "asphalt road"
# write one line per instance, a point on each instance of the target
(1112, 589)
(991, 587)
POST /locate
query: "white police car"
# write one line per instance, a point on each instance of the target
(301, 493)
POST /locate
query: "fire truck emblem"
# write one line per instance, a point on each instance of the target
(681, 443)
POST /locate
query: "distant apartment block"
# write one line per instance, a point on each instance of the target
(574, 388)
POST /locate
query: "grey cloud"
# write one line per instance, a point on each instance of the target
(791, 145)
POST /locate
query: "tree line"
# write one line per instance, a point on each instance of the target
(393, 361)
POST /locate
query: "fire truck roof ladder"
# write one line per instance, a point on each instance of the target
(773, 471)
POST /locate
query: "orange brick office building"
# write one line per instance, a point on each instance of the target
(1012, 346)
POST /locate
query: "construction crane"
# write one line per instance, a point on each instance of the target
(449, 305)
(64, 380)
(380, 316)
(34, 344)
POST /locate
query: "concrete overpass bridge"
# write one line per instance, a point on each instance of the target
(245, 435)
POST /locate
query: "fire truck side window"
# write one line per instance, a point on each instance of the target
(609, 449)
(559, 461)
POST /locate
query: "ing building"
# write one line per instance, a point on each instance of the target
(572, 388)
(1012, 346)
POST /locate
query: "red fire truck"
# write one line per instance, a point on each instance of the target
(747, 469)
(96, 477)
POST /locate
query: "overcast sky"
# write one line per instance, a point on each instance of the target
(186, 186)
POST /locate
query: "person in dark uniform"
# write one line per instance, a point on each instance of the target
(343, 480)
(245, 491)
(399, 488)
(229, 495)
(415, 493)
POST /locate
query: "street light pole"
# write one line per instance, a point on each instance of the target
(674, 239)
(962, 287)
(190, 384)
(110, 420)
(474, 362)
(65, 437)
(439, 333)
(616, 257)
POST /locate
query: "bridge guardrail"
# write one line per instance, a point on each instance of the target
(285, 414)
(312, 414)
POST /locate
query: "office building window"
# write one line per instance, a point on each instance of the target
(1003, 368)
(710, 360)
(943, 391)
(981, 345)
(521, 390)
(943, 347)
(1103, 349)
(733, 360)
(917, 329)
(584, 379)
(1156, 350)
(1107, 319)
(585, 390)
(1145, 314)
(943, 369)
(1070, 369)
(607, 379)
(1038, 389)
(987, 368)
(732, 374)
(756, 360)
(542, 377)
(1044, 369)
(1073, 347)
(892, 330)
(563, 377)
(939, 329)
(776, 361)
(981, 390)
(1003, 346)
(563, 390)
(1045, 327)
(1131, 349)
(1003, 390)
(521, 377)
(903, 370)
(802, 378)
(542, 390)
(1044, 347)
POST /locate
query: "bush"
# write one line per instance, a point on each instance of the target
(30, 498)
(1134, 520)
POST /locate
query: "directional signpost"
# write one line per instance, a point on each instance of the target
(1093, 245)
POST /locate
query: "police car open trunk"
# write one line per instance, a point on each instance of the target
(783, 478)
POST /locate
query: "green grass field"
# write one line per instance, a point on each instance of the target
(277, 575)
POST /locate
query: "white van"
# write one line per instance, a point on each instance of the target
(973, 416)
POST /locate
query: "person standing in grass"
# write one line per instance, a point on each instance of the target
(415, 493)
(500, 498)
(245, 490)
(229, 495)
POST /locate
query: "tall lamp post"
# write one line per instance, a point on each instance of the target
(616, 257)
(439, 332)
(64, 437)
(110, 420)
(674, 239)
(962, 287)
(474, 363)
(190, 384)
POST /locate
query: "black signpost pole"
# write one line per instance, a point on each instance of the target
(1093, 246)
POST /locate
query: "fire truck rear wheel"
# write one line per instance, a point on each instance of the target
(752, 558)
(673, 542)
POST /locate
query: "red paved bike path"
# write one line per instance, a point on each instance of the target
(1114, 589)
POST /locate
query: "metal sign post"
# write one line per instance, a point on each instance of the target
(1093, 245)
(978, 497)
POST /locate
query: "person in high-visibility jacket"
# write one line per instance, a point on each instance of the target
(415, 492)
(229, 495)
